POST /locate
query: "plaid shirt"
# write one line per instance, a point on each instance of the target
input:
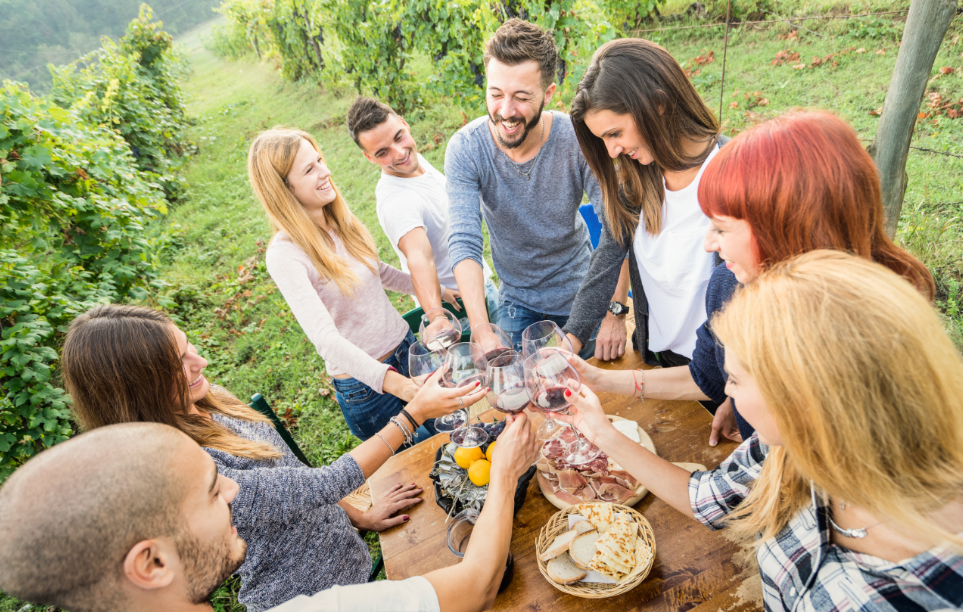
(802, 570)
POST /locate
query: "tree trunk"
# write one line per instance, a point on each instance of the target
(311, 39)
(926, 26)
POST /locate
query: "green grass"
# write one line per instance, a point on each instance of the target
(213, 263)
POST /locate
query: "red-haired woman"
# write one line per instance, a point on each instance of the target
(793, 184)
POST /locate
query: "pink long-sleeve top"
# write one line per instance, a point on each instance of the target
(350, 333)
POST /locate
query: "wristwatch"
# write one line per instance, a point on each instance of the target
(618, 308)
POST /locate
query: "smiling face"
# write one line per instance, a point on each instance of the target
(309, 178)
(194, 366)
(515, 99)
(732, 240)
(744, 391)
(620, 135)
(210, 550)
(391, 146)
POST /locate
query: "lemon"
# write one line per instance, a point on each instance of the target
(480, 473)
(488, 453)
(464, 457)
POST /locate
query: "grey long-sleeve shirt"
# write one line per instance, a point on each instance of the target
(299, 541)
(540, 243)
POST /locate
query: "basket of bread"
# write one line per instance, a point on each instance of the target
(596, 550)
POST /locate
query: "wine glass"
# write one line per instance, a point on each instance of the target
(545, 334)
(422, 363)
(465, 366)
(439, 329)
(492, 339)
(508, 391)
(549, 374)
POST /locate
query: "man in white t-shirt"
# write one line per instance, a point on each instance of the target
(412, 204)
(135, 517)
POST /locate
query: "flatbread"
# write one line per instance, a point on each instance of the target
(600, 515)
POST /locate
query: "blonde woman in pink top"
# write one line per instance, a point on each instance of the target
(326, 265)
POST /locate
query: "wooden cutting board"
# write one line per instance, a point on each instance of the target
(640, 492)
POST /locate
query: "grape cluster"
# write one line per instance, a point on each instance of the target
(493, 430)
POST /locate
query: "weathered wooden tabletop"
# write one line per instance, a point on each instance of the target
(695, 569)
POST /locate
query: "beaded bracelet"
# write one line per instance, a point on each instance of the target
(409, 439)
(391, 448)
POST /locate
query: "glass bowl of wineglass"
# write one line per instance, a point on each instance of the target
(466, 365)
(492, 339)
(422, 363)
(439, 329)
(508, 390)
(545, 334)
(550, 375)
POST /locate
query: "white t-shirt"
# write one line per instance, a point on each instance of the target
(675, 270)
(411, 595)
(418, 201)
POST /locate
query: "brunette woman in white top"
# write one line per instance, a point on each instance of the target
(326, 265)
(647, 135)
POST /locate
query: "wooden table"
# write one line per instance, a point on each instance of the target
(695, 569)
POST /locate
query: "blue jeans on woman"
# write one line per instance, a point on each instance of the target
(513, 318)
(366, 411)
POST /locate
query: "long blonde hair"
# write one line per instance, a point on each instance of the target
(269, 162)
(865, 388)
(120, 364)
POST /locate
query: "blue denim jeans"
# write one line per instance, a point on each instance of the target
(514, 318)
(367, 411)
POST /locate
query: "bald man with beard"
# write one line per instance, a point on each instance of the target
(135, 517)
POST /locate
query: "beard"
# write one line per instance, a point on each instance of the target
(514, 144)
(206, 567)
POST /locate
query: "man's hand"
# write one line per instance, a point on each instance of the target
(451, 296)
(379, 516)
(517, 448)
(724, 422)
(610, 343)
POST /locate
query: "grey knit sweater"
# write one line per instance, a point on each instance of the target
(299, 541)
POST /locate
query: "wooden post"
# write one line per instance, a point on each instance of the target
(926, 26)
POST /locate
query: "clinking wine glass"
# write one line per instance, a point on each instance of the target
(549, 374)
(545, 334)
(422, 363)
(466, 365)
(508, 390)
(492, 339)
(439, 329)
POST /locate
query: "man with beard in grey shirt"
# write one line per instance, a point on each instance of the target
(522, 170)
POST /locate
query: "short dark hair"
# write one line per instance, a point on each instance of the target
(366, 114)
(518, 41)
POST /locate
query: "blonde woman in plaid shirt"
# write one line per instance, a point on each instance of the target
(852, 484)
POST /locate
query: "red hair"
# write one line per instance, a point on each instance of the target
(804, 182)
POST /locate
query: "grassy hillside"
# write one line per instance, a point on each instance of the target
(214, 265)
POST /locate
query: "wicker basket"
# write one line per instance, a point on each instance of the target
(593, 590)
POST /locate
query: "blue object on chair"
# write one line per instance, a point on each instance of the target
(593, 223)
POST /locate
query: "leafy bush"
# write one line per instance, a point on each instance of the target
(73, 206)
(742, 10)
(134, 87)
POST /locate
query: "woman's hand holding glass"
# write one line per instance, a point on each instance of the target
(586, 413)
(434, 401)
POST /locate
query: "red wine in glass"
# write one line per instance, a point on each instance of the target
(513, 401)
(443, 340)
(552, 399)
(494, 354)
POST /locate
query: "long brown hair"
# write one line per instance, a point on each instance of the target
(269, 162)
(120, 364)
(879, 423)
(803, 181)
(636, 77)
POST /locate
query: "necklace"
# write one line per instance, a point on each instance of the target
(541, 141)
(850, 533)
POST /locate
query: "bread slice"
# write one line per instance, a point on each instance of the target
(583, 548)
(559, 546)
(583, 526)
(563, 571)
